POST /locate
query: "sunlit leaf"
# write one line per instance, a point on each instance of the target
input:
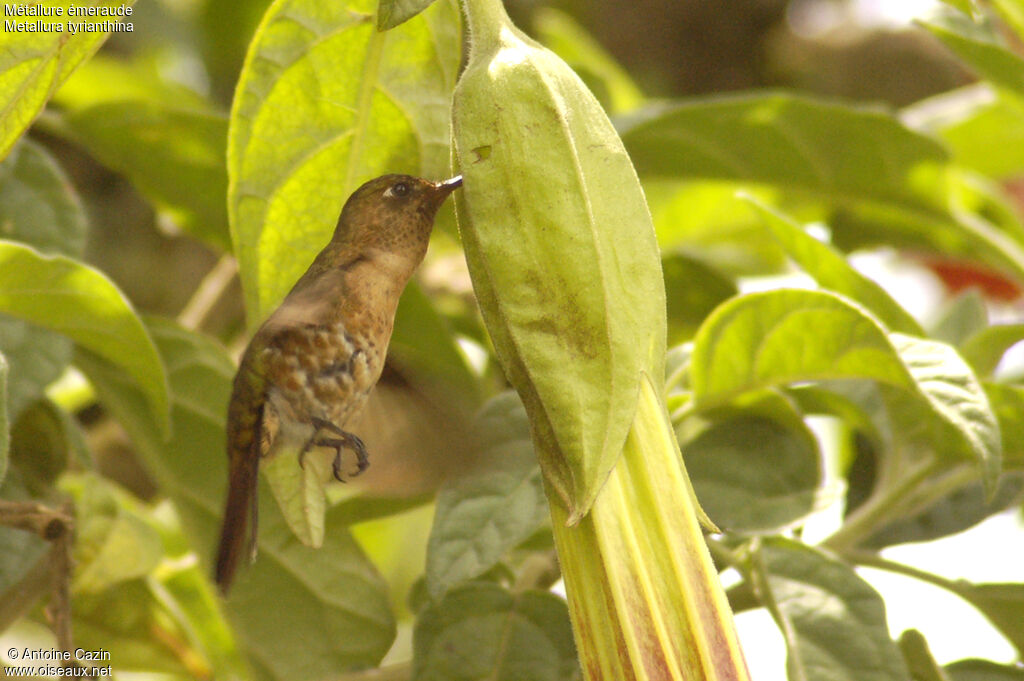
(34, 64)
(324, 103)
(978, 47)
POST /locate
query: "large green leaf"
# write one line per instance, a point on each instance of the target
(66, 296)
(324, 103)
(298, 613)
(481, 631)
(34, 64)
(881, 182)
(1008, 404)
(756, 469)
(38, 208)
(778, 338)
(481, 516)
(830, 269)
(832, 620)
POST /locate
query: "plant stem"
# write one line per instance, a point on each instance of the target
(210, 290)
(879, 507)
(487, 19)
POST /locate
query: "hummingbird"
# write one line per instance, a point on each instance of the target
(314, 361)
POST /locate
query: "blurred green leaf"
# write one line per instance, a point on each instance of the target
(957, 511)
(978, 47)
(983, 670)
(984, 349)
(106, 79)
(1002, 604)
(38, 208)
(1008, 404)
(756, 469)
(174, 155)
(423, 348)
(5, 427)
(830, 269)
(1012, 11)
(692, 289)
(42, 441)
(391, 13)
(34, 64)
(704, 220)
(71, 298)
(25, 561)
(882, 182)
(982, 128)
(480, 516)
(833, 151)
(353, 625)
(919, 659)
(324, 103)
(832, 620)
(960, 318)
(610, 83)
(131, 624)
(113, 541)
(481, 631)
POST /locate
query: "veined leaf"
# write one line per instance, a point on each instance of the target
(785, 337)
(832, 620)
(324, 103)
(34, 64)
(481, 631)
(481, 516)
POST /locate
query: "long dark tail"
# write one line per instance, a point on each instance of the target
(240, 511)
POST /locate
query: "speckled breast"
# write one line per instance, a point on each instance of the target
(321, 371)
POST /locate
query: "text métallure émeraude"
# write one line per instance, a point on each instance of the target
(34, 10)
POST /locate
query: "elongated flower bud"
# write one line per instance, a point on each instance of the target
(561, 248)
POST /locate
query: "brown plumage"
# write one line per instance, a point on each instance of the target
(313, 362)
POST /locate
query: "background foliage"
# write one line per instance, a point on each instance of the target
(137, 179)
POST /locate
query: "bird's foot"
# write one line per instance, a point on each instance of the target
(346, 440)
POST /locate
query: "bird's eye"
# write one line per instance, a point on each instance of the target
(397, 189)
